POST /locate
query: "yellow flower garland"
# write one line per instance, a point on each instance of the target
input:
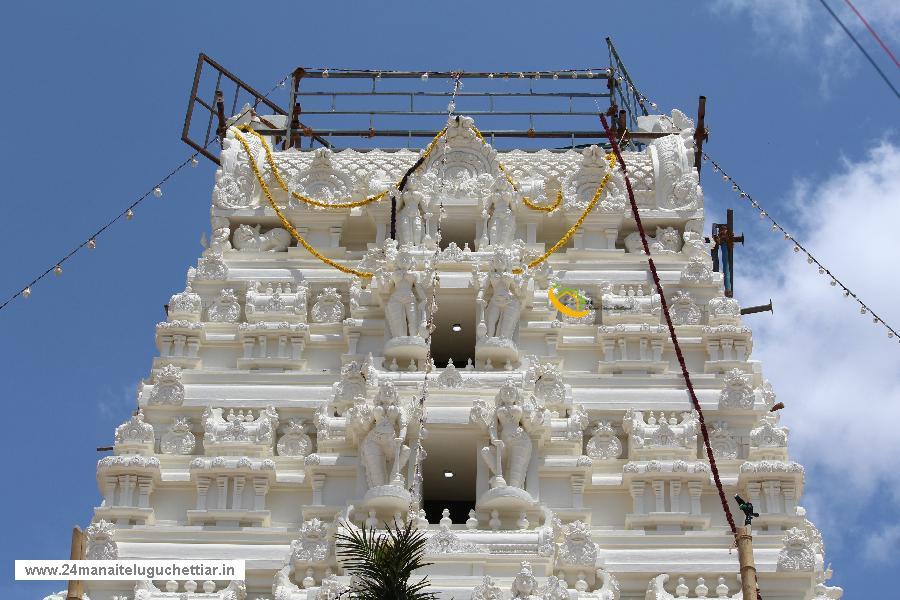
(348, 204)
(611, 160)
(284, 220)
(525, 199)
(549, 208)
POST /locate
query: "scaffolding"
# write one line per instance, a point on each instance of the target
(389, 109)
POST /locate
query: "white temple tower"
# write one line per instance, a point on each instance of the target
(286, 394)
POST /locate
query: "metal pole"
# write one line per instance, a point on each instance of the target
(748, 566)
(76, 588)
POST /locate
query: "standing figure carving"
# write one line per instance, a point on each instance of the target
(383, 450)
(501, 295)
(413, 218)
(405, 293)
(509, 426)
(499, 220)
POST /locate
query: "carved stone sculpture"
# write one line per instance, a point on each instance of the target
(276, 301)
(499, 220)
(294, 440)
(178, 439)
(667, 241)
(247, 238)
(100, 542)
(500, 298)
(525, 585)
(383, 451)
(737, 392)
(508, 423)
(167, 389)
(225, 308)
(604, 444)
(405, 293)
(328, 307)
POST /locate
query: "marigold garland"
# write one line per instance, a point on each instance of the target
(525, 199)
(548, 208)
(284, 220)
(611, 160)
(348, 204)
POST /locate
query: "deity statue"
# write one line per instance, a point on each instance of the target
(413, 217)
(508, 426)
(383, 451)
(507, 294)
(405, 306)
(525, 586)
(498, 217)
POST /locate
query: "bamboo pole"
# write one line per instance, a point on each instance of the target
(748, 566)
(76, 588)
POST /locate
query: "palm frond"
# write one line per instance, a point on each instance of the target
(382, 563)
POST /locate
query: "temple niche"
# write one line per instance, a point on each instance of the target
(431, 379)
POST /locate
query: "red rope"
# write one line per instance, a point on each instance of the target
(872, 31)
(665, 308)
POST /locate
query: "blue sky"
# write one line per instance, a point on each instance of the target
(95, 102)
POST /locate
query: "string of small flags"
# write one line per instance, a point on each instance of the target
(127, 214)
(864, 309)
(588, 73)
(799, 248)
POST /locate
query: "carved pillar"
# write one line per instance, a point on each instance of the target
(263, 351)
(318, 485)
(178, 344)
(109, 489)
(753, 489)
(237, 501)
(695, 489)
(334, 234)
(609, 347)
(165, 345)
(552, 340)
(577, 483)
(578, 242)
(145, 485)
(675, 495)
(193, 347)
(248, 348)
(202, 490)
(659, 490)
(727, 346)
(740, 350)
(713, 349)
(623, 349)
(222, 487)
(773, 492)
(127, 484)
(282, 346)
(637, 494)
(611, 234)
(352, 342)
(790, 497)
(643, 348)
(260, 489)
(657, 349)
(296, 348)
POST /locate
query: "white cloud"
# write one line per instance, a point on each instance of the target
(837, 372)
(805, 30)
(882, 546)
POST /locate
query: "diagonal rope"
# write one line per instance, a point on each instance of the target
(872, 31)
(670, 325)
(861, 49)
